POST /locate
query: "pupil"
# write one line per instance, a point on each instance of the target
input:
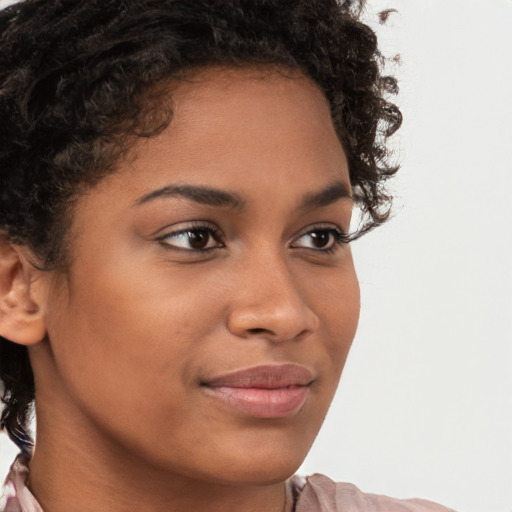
(320, 238)
(198, 239)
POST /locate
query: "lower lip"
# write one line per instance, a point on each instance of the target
(263, 403)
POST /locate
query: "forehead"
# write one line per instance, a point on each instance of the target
(249, 95)
(247, 119)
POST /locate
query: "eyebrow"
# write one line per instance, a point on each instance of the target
(199, 194)
(331, 194)
(222, 199)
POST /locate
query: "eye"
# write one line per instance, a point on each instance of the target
(322, 238)
(201, 237)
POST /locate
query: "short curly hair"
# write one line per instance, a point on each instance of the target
(75, 80)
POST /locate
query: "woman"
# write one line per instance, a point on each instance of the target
(178, 293)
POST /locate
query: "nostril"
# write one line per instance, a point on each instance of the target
(257, 330)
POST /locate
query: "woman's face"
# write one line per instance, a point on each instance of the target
(210, 301)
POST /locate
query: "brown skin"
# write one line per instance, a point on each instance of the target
(136, 323)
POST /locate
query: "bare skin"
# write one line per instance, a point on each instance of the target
(164, 293)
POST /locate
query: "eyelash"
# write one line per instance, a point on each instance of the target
(194, 227)
(340, 237)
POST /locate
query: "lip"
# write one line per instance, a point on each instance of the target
(268, 391)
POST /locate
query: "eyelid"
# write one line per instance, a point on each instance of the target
(188, 226)
(341, 236)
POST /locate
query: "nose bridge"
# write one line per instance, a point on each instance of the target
(271, 276)
(268, 301)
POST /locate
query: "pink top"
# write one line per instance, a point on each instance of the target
(316, 493)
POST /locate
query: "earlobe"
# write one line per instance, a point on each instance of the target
(21, 317)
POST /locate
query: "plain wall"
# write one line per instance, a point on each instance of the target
(425, 403)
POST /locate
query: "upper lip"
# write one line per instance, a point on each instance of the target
(264, 377)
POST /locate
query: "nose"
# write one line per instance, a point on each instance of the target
(268, 303)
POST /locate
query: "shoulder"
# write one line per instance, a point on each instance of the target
(319, 493)
(15, 496)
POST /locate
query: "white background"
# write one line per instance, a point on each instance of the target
(425, 405)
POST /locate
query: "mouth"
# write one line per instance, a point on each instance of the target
(270, 391)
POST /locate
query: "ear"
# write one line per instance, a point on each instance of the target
(21, 317)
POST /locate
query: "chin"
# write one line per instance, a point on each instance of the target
(263, 466)
(255, 474)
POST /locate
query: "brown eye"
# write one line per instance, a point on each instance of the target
(321, 239)
(199, 238)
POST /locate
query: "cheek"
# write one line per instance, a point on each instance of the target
(125, 349)
(344, 312)
(340, 308)
(117, 333)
